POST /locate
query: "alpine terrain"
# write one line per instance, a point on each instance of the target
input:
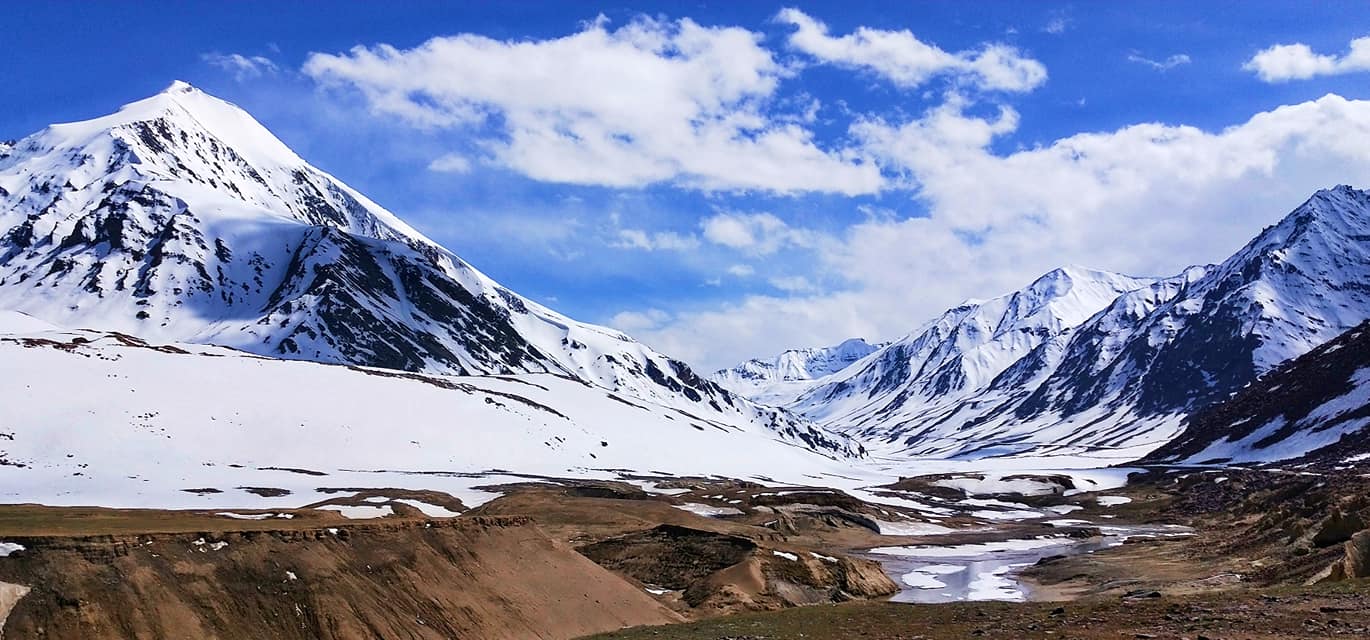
(775, 381)
(243, 399)
(1311, 410)
(182, 221)
(288, 402)
(1095, 364)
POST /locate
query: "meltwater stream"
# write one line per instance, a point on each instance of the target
(988, 570)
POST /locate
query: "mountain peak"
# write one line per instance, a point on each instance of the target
(1072, 272)
(777, 379)
(210, 147)
(1336, 200)
(852, 343)
(179, 86)
(184, 107)
(1067, 295)
(1341, 189)
(1329, 225)
(181, 218)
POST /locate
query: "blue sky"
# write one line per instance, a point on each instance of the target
(729, 179)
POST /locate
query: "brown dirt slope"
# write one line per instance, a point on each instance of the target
(485, 577)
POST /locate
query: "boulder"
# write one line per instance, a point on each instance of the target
(1356, 563)
(1337, 528)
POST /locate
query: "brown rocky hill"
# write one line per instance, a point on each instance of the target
(482, 577)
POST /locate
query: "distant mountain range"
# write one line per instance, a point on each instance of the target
(1095, 364)
(778, 380)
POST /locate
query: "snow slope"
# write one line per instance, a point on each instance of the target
(779, 380)
(1313, 409)
(1113, 371)
(181, 219)
(109, 419)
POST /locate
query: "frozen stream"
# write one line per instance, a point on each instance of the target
(988, 570)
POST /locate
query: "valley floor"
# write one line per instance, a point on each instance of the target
(1271, 555)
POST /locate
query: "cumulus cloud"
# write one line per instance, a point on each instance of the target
(1160, 65)
(758, 233)
(700, 107)
(242, 67)
(1284, 62)
(1145, 199)
(650, 102)
(903, 59)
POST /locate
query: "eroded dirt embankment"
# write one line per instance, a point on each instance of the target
(481, 577)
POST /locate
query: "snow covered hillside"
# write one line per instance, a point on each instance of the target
(1088, 363)
(1313, 409)
(109, 419)
(780, 379)
(181, 219)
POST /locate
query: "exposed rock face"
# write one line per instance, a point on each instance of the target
(469, 578)
(1354, 562)
(1357, 561)
(1309, 411)
(1304, 528)
(1339, 527)
(719, 573)
(10, 594)
(670, 556)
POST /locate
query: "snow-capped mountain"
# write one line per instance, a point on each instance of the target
(780, 379)
(960, 353)
(180, 218)
(1313, 409)
(1114, 376)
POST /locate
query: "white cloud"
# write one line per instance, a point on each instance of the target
(650, 102)
(1057, 25)
(1160, 65)
(680, 103)
(1284, 62)
(637, 321)
(450, 163)
(903, 59)
(242, 67)
(757, 233)
(655, 241)
(792, 284)
(1144, 199)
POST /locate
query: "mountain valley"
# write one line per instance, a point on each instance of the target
(240, 399)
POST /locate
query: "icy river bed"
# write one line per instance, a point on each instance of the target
(989, 570)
